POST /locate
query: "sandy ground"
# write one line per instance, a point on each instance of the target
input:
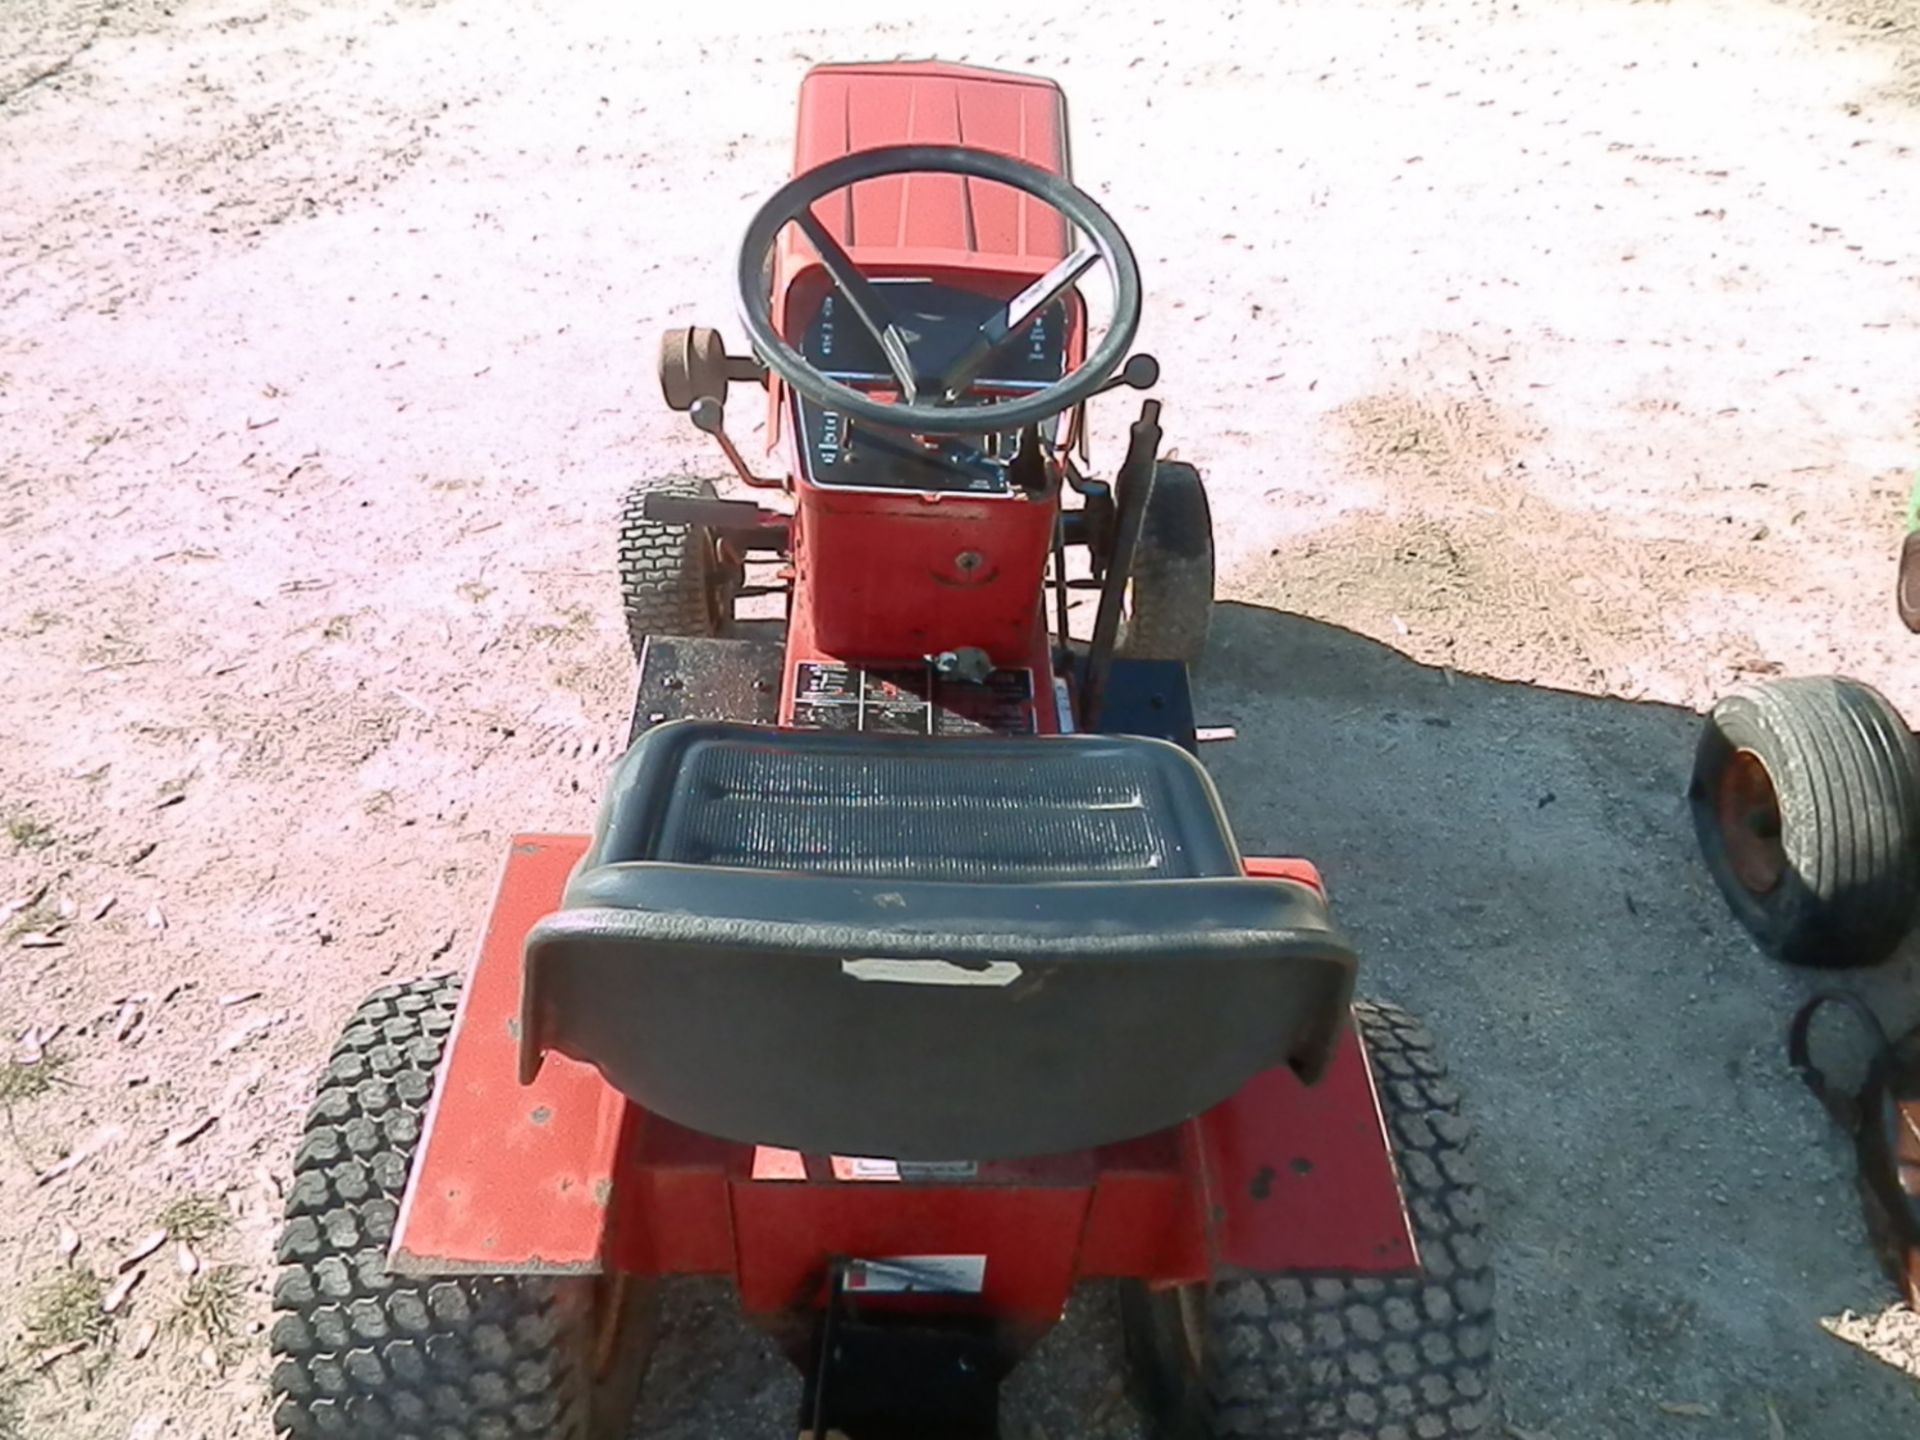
(1553, 366)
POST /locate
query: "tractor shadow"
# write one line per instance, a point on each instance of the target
(1671, 1215)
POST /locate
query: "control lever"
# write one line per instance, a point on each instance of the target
(1131, 488)
(1141, 372)
(710, 417)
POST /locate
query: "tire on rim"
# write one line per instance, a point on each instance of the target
(1806, 801)
(364, 1354)
(1336, 1357)
(1171, 605)
(672, 581)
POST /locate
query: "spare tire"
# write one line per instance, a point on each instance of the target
(1806, 799)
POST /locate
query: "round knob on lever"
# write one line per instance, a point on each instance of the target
(709, 415)
(1141, 372)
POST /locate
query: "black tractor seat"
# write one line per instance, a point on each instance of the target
(925, 948)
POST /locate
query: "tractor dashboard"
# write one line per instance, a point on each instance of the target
(944, 320)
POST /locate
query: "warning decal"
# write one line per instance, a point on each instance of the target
(831, 696)
(918, 1274)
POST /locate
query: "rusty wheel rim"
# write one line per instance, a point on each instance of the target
(1193, 1324)
(609, 1305)
(1749, 812)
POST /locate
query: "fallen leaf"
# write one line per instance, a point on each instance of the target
(58, 1352)
(1776, 1429)
(122, 1288)
(141, 1251)
(184, 1260)
(26, 902)
(1692, 1409)
(191, 1132)
(99, 1140)
(251, 1030)
(69, 1242)
(237, 997)
(143, 1337)
(100, 910)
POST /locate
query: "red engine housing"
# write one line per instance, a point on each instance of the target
(886, 576)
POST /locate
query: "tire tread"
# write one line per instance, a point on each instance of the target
(1846, 770)
(664, 580)
(364, 1354)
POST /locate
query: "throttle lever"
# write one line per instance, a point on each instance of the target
(1141, 372)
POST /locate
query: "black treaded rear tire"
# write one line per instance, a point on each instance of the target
(1806, 801)
(669, 579)
(1335, 1357)
(1170, 608)
(363, 1354)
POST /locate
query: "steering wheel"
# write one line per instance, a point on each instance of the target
(792, 204)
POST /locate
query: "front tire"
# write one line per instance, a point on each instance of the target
(1334, 1357)
(1806, 801)
(364, 1354)
(671, 579)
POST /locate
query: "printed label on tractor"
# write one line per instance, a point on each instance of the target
(831, 696)
(909, 1172)
(918, 1274)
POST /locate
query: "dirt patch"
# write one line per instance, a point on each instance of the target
(1470, 563)
(1892, 1335)
(1895, 21)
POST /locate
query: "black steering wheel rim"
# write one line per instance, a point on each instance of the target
(1080, 209)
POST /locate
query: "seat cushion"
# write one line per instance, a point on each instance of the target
(984, 809)
(1100, 969)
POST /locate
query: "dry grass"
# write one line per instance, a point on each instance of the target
(66, 1310)
(20, 1082)
(208, 1312)
(28, 833)
(194, 1219)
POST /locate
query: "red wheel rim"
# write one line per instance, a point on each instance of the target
(1749, 812)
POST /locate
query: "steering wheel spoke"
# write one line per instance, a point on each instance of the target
(932, 395)
(1006, 325)
(867, 302)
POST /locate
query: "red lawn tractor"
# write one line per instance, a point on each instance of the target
(911, 976)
